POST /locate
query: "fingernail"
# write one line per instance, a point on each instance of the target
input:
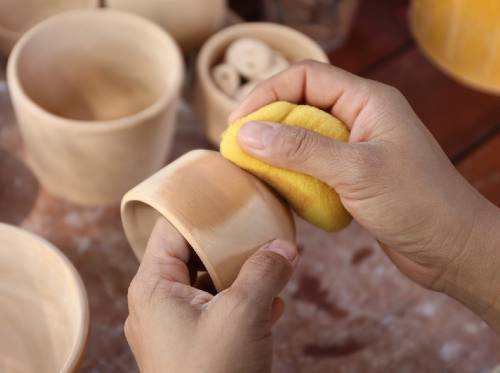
(284, 248)
(256, 135)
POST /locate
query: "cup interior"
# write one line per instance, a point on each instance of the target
(96, 65)
(43, 307)
(141, 220)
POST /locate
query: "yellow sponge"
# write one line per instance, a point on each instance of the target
(311, 198)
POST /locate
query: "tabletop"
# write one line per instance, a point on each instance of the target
(348, 308)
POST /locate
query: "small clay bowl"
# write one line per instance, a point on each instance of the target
(44, 316)
(190, 22)
(223, 212)
(17, 16)
(211, 103)
(95, 93)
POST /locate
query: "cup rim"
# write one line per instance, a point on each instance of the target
(82, 332)
(134, 197)
(176, 66)
(226, 34)
(15, 34)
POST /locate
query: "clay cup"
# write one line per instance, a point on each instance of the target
(95, 93)
(223, 212)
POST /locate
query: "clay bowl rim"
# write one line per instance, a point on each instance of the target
(132, 198)
(15, 35)
(230, 33)
(175, 70)
(440, 63)
(76, 354)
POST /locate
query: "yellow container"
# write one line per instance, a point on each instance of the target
(462, 37)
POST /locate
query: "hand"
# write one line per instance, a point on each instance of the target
(173, 327)
(392, 177)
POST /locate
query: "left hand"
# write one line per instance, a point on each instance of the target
(174, 327)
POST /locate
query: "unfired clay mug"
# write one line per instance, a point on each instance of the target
(95, 94)
(211, 103)
(17, 16)
(223, 212)
(44, 316)
(190, 22)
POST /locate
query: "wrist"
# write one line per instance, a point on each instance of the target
(473, 276)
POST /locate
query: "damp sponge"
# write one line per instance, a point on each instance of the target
(311, 198)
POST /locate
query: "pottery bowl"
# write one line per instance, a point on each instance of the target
(17, 16)
(211, 103)
(223, 212)
(95, 94)
(43, 306)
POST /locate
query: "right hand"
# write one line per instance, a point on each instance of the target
(392, 176)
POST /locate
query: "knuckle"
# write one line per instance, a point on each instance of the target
(308, 63)
(391, 91)
(127, 328)
(145, 290)
(294, 144)
(385, 91)
(135, 292)
(266, 262)
(234, 303)
(236, 297)
(368, 87)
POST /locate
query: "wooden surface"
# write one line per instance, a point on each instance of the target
(348, 308)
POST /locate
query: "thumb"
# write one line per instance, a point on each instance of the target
(297, 149)
(264, 275)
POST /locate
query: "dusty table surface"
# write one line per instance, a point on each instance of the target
(348, 308)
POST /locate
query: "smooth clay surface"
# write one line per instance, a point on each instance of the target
(17, 16)
(43, 306)
(222, 211)
(214, 105)
(95, 94)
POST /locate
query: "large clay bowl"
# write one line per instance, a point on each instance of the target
(211, 103)
(44, 315)
(95, 93)
(17, 16)
(222, 211)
